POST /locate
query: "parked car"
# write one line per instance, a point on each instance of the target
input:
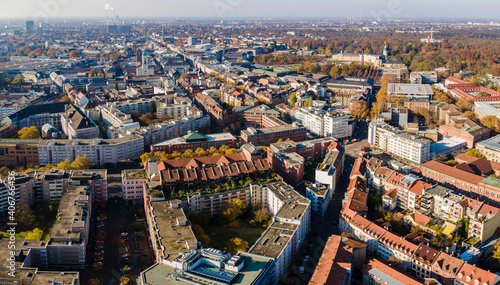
(302, 270)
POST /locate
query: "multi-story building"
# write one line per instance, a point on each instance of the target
(320, 196)
(96, 179)
(8, 131)
(377, 272)
(217, 169)
(169, 230)
(338, 260)
(291, 223)
(422, 261)
(99, 151)
(409, 147)
(467, 130)
(402, 90)
(267, 136)
(445, 268)
(490, 148)
(133, 184)
(194, 140)
(211, 204)
(347, 88)
(414, 104)
(37, 115)
(288, 158)
(423, 77)
(117, 121)
(259, 117)
(76, 125)
(329, 171)
(14, 152)
(324, 124)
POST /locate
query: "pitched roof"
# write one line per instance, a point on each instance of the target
(452, 171)
(388, 274)
(469, 274)
(448, 263)
(425, 254)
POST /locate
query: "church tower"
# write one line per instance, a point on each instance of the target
(145, 57)
(386, 52)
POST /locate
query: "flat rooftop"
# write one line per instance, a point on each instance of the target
(409, 89)
(492, 143)
(173, 237)
(59, 278)
(72, 213)
(90, 141)
(274, 239)
(14, 142)
(134, 174)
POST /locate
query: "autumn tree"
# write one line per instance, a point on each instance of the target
(25, 217)
(470, 114)
(145, 157)
(81, 162)
(188, 153)
(293, 99)
(464, 104)
(152, 108)
(36, 233)
(491, 122)
(184, 75)
(359, 109)
(232, 209)
(200, 152)
(236, 244)
(64, 165)
(29, 133)
(474, 152)
(64, 98)
(74, 54)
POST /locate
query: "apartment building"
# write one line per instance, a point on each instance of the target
(288, 158)
(291, 223)
(405, 146)
(414, 104)
(194, 140)
(96, 179)
(329, 170)
(15, 152)
(377, 272)
(340, 256)
(217, 169)
(422, 261)
(99, 151)
(37, 115)
(133, 185)
(117, 121)
(320, 196)
(169, 230)
(324, 124)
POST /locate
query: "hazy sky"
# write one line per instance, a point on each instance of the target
(28, 9)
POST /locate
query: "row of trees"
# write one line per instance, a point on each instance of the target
(199, 152)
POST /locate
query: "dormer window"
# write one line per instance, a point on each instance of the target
(468, 278)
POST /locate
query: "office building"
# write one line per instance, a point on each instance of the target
(407, 91)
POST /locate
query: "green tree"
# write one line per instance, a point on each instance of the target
(152, 108)
(116, 86)
(474, 152)
(200, 234)
(29, 133)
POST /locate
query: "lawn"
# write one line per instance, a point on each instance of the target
(239, 228)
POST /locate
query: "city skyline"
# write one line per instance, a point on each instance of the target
(376, 10)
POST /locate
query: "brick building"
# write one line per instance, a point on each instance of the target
(14, 152)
